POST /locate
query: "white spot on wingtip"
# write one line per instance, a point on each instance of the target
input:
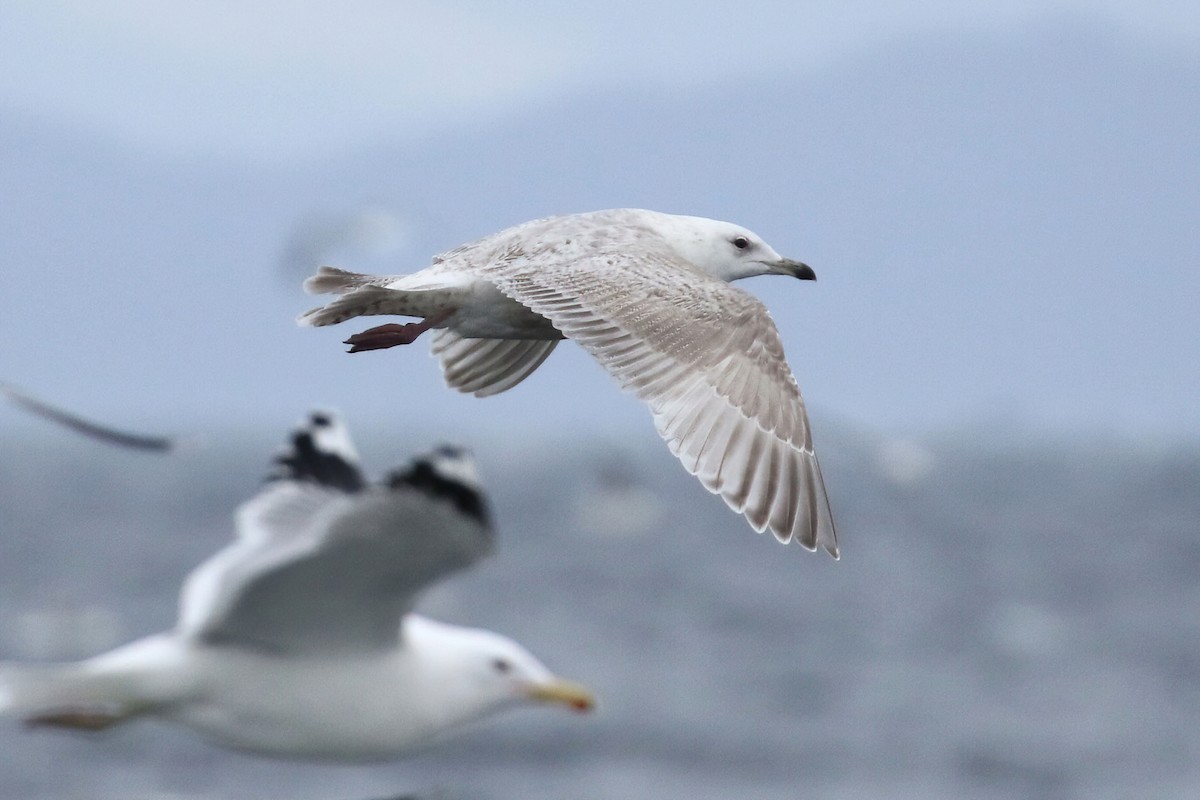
(330, 435)
(456, 464)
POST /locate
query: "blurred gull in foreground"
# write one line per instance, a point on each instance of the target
(297, 640)
(648, 295)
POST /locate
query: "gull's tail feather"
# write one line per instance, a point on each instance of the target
(416, 295)
(98, 692)
(42, 692)
(331, 280)
(363, 301)
(359, 295)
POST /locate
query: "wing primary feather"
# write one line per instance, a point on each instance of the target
(321, 452)
(317, 568)
(432, 479)
(808, 536)
(784, 501)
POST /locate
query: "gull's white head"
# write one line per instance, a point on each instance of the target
(724, 250)
(482, 672)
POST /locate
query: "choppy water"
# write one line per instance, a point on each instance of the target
(1006, 622)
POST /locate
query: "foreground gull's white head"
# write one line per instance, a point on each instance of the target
(298, 640)
(648, 294)
(483, 667)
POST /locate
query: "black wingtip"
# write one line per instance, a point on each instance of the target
(447, 473)
(321, 452)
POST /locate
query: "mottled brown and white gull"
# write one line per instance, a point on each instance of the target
(648, 295)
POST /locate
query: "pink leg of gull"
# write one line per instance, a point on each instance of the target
(392, 334)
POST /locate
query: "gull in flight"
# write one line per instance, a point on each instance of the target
(298, 640)
(648, 295)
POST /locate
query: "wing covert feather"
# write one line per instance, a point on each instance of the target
(318, 570)
(708, 360)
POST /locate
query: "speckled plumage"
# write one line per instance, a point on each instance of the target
(648, 295)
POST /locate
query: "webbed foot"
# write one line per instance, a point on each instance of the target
(393, 334)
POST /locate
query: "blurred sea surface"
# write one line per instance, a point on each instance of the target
(1013, 617)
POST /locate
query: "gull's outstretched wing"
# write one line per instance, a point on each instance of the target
(485, 367)
(707, 358)
(67, 419)
(324, 561)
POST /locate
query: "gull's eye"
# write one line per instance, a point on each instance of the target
(741, 242)
(502, 665)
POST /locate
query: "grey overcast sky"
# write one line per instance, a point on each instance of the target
(999, 199)
(277, 78)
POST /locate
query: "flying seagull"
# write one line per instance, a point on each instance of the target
(648, 295)
(298, 639)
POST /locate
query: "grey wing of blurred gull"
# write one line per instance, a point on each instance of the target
(96, 430)
(326, 561)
